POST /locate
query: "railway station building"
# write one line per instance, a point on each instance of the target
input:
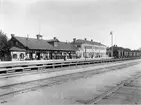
(89, 49)
(24, 48)
(62, 48)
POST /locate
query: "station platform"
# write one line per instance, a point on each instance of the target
(44, 75)
(51, 61)
(11, 64)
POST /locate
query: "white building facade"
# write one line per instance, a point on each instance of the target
(89, 49)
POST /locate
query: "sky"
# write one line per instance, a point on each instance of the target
(68, 19)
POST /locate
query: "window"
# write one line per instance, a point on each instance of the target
(55, 44)
(16, 43)
(21, 56)
(15, 56)
(87, 47)
(78, 46)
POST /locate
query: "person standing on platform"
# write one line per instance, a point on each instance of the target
(64, 56)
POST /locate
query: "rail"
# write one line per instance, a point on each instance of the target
(114, 89)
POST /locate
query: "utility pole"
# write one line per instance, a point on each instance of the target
(2, 16)
(111, 33)
(39, 29)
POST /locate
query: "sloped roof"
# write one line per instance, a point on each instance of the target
(119, 48)
(53, 40)
(41, 44)
(65, 46)
(80, 41)
(33, 43)
(16, 49)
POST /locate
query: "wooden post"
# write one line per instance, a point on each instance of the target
(85, 52)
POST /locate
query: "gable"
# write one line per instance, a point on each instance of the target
(15, 43)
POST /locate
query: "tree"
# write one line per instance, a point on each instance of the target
(4, 46)
(139, 49)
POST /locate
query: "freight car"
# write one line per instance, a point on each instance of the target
(120, 52)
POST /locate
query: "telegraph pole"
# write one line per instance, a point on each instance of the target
(111, 33)
(39, 28)
(1, 8)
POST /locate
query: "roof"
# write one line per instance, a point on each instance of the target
(16, 49)
(63, 45)
(41, 44)
(33, 43)
(66, 46)
(53, 40)
(118, 48)
(80, 41)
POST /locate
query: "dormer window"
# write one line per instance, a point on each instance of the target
(55, 44)
(39, 36)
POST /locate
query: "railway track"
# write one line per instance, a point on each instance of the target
(8, 90)
(125, 89)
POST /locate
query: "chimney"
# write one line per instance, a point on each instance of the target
(91, 40)
(74, 40)
(66, 42)
(85, 39)
(12, 35)
(54, 38)
(39, 36)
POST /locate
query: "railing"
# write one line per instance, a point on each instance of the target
(20, 67)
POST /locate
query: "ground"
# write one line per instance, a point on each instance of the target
(78, 91)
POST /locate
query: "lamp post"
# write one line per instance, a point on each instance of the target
(27, 47)
(99, 51)
(85, 52)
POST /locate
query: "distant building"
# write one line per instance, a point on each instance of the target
(120, 52)
(36, 48)
(89, 49)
